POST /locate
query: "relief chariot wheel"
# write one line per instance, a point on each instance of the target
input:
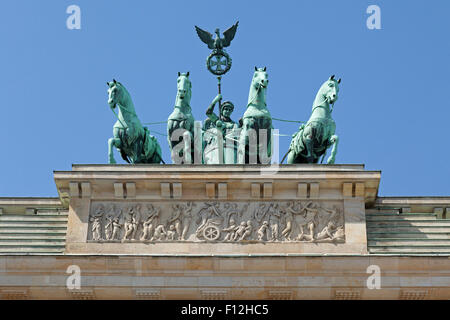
(211, 233)
(218, 62)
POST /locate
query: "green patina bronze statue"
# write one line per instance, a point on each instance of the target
(218, 43)
(220, 134)
(255, 141)
(223, 141)
(133, 141)
(218, 57)
(180, 125)
(313, 139)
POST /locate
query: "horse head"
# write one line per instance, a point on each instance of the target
(260, 80)
(329, 90)
(184, 88)
(116, 93)
(257, 93)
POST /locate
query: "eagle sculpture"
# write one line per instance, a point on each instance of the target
(218, 43)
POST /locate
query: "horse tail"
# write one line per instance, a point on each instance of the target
(124, 156)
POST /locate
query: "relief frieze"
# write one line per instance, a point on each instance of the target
(217, 221)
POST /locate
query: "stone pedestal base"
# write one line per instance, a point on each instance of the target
(217, 210)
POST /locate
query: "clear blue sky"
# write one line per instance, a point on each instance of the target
(392, 114)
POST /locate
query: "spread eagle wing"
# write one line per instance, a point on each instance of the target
(229, 35)
(206, 37)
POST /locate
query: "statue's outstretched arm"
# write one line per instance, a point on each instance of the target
(210, 111)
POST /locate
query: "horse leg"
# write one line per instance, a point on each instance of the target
(335, 141)
(112, 142)
(172, 125)
(291, 157)
(248, 138)
(308, 135)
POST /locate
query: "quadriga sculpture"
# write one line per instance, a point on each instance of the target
(180, 125)
(133, 141)
(313, 139)
(254, 145)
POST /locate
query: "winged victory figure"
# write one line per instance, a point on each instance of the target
(218, 43)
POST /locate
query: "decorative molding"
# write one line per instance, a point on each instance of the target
(222, 190)
(13, 294)
(267, 190)
(413, 294)
(256, 190)
(210, 190)
(302, 190)
(85, 189)
(82, 294)
(347, 295)
(347, 189)
(74, 190)
(131, 190)
(147, 294)
(281, 294)
(359, 189)
(439, 213)
(314, 190)
(165, 189)
(214, 294)
(177, 190)
(118, 190)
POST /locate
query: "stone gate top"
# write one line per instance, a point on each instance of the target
(223, 209)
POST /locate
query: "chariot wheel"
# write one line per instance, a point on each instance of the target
(211, 233)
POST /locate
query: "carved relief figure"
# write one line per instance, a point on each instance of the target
(288, 218)
(274, 221)
(263, 230)
(160, 233)
(172, 233)
(176, 217)
(247, 231)
(116, 229)
(187, 218)
(230, 230)
(339, 234)
(109, 227)
(327, 232)
(96, 226)
(233, 212)
(131, 223)
(240, 231)
(181, 218)
(150, 223)
(333, 230)
(110, 217)
(262, 210)
(308, 219)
